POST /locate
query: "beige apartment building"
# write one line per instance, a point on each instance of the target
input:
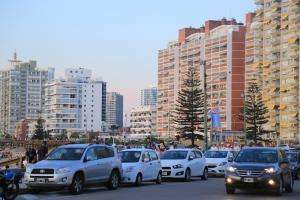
(272, 58)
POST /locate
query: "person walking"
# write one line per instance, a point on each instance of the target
(42, 151)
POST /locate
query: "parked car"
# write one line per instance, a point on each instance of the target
(141, 165)
(183, 163)
(217, 161)
(74, 166)
(260, 168)
(294, 158)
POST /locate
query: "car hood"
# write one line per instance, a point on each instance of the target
(55, 164)
(214, 161)
(253, 166)
(170, 163)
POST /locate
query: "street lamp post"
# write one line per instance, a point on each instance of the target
(244, 114)
(203, 63)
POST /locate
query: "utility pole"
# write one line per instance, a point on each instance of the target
(203, 63)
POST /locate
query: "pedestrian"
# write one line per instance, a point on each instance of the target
(42, 151)
(32, 155)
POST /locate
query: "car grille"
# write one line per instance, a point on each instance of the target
(42, 171)
(212, 166)
(249, 173)
(167, 168)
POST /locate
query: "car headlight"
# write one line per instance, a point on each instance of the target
(178, 166)
(271, 170)
(231, 169)
(63, 170)
(223, 164)
(129, 169)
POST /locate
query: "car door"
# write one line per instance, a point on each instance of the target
(193, 163)
(201, 162)
(146, 170)
(105, 161)
(155, 164)
(92, 167)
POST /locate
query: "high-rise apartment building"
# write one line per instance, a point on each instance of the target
(74, 104)
(219, 43)
(173, 63)
(149, 96)
(114, 109)
(274, 62)
(225, 69)
(22, 92)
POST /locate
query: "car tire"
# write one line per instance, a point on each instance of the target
(159, 178)
(138, 180)
(230, 189)
(114, 180)
(289, 186)
(187, 175)
(12, 191)
(76, 187)
(205, 174)
(279, 190)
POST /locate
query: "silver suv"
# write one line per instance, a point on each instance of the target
(75, 166)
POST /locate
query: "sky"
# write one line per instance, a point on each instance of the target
(117, 39)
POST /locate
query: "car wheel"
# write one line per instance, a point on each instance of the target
(230, 189)
(77, 184)
(205, 174)
(138, 180)
(187, 176)
(11, 191)
(289, 186)
(279, 190)
(114, 180)
(159, 178)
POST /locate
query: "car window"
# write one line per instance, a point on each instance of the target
(91, 154)
(153, 155)
(192, 154)
(198, 154)
(145, 155)
(104, 152)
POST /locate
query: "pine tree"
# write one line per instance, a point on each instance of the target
(39, 132)
(189, 111)
(255, 114)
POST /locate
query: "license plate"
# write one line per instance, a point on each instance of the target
(41, 180)
(248, 180)
(165, 173)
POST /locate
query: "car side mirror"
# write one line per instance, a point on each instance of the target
(87, 159)
(191, 158)
(230, 159)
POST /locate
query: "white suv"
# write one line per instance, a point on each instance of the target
(75, 165)
(140, 165)
(183, 163)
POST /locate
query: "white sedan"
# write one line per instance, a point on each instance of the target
(183, 163)
(141, 165)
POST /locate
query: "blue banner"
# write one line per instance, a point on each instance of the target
(216, 120)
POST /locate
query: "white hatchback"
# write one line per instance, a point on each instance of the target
(141, 165)
(183, 163)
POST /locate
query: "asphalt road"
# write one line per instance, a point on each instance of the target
(211, 189)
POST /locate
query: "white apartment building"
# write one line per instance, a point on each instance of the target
(22, 92)
(75, 104)
(114, 110)
(143, 122)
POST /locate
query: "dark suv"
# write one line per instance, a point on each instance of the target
(260, 168)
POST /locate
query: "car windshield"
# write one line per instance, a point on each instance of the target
(66, 154)
(174, 155)
(216, 154)
(130, 156)
(292, 157)
(257, 156)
